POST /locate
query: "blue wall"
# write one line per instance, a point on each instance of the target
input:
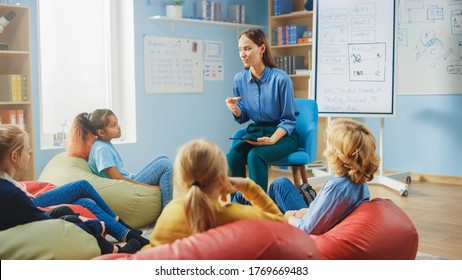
(425, 136)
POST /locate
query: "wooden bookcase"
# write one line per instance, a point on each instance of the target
(298, 16)
(15, 62)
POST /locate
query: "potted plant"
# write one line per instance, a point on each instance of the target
(174, 8)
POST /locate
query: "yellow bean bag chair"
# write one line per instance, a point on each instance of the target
(47, 240)
(137, 205)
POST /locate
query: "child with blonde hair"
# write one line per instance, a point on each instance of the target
(18, 207)
(200, 176)
(351, 155)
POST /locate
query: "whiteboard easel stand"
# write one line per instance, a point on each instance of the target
(390, 180)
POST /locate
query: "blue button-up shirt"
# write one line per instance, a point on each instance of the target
(269, 99)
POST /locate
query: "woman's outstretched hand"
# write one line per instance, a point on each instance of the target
(232, 106)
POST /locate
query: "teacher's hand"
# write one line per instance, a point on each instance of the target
(261, 141)
(232, 106)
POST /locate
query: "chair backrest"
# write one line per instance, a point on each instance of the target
(307, 126)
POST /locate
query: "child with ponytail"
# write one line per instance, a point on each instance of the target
(202, 183)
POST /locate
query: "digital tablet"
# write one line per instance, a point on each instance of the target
(240, 138)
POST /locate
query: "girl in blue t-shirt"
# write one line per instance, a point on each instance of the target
(105, 161)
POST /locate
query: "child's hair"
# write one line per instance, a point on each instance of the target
(99, 118)
(81, 137)
(12, 138)
(200, 167)
(350, 150)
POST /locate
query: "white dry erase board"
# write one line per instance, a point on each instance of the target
(430, 47)
(173, 65)
(355, 54)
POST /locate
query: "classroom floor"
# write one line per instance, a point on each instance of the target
(435, 209)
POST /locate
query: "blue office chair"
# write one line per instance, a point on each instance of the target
(307, 128)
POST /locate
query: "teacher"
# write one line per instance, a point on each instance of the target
(264, 94)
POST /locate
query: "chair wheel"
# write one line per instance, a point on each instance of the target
(403, 193)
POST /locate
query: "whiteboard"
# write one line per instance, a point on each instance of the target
(173, 65)
(354, 57)
(430, 47)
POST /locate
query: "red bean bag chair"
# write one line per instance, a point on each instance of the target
(241, 240)
(37, 188)
(376, 230)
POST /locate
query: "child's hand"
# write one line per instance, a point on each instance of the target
(236, 183)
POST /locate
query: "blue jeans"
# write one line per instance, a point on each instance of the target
(158, 172)
(283, 192)
(286, 195)
(82, 193)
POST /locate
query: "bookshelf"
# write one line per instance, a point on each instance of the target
(298, 16)
(15, 79)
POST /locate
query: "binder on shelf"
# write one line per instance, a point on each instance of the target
(234, 13)
(281, 7)
(215, 11)
(6, 87)
(17, 92)
(8, 116)
(242, 14)
(203, 9)
(24, 91)
(20, 118)
(295, 32)
(12, 87)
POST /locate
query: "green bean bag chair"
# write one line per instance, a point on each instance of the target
(137, 205)
(47, 240)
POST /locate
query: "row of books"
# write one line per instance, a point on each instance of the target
(281, 7)
(208, 10)
(288, 34)
(13, 116)
(289, 63)
(13, 87)
(211, 10)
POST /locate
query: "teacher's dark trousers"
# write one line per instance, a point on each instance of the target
(257, 158)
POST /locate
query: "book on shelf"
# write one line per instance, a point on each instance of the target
(288, 34)
(289, 63)
(295, 32)
(302, 72)
(215, 11)
(203, 9)
(13, 116)
(13, 88)
(281, 7)
(236, 13)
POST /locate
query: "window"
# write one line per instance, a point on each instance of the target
(86, 62)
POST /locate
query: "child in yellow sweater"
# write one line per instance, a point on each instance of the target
(200, 175)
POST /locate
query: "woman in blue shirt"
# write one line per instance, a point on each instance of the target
(351, 155)
(263, 94)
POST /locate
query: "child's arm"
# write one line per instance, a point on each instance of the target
(113, 173)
